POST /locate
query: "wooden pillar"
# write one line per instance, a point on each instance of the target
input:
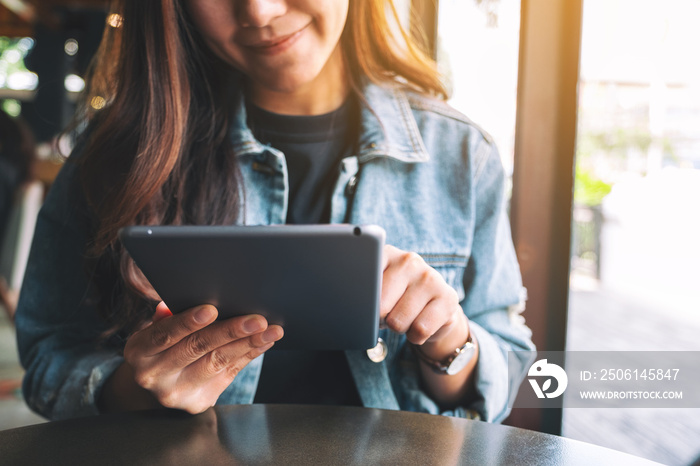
(541, 205)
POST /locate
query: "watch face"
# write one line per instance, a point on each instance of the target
(461, 360)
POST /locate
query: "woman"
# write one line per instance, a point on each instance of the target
(263, 112)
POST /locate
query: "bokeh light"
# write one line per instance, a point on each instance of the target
(98, 102)
(115, 20)
(74, 83)
(71, 47)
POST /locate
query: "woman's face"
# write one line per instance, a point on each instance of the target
(282, 45)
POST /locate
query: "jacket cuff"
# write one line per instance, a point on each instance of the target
(490, 377)
(78, 396)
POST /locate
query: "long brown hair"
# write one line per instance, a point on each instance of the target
(157, 150)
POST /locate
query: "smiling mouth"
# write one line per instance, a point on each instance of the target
(277, 45)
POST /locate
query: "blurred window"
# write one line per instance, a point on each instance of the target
(16, 82)
(636, 228)
(13, 74)
(478, 55)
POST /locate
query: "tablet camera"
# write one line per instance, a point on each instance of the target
(357, 231)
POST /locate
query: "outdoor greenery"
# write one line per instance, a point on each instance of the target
(12, 53)
(11, 106)
(617, 144)
(589, 190)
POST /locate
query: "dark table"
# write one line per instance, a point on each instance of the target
(287, 434)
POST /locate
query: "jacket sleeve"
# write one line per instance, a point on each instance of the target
(493, 300)
(58, 326)
(494, 295)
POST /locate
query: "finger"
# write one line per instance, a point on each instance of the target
(161, 312)
(230, 359)
(427, 324)
(407, 309)
(273, 334)
(198, 390)
(403, 270)
(389, 253)
(394, 285)
(169, 331)
(199, 343)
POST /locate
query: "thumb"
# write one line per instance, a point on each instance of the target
(160, 313)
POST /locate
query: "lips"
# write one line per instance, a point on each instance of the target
(276, 45)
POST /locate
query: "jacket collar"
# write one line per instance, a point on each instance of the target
(387, 127)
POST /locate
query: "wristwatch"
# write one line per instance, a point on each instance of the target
(454, 363)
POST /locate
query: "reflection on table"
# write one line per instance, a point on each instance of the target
(291, 434)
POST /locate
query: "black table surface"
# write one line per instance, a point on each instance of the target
(292, 434)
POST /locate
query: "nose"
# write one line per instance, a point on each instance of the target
(259, 13)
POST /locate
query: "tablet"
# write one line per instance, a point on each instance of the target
(321, 283)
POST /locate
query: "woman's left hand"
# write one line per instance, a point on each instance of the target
(417, 301)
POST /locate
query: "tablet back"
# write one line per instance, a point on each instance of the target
(320, 282)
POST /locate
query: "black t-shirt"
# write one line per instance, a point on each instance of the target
(313, 148)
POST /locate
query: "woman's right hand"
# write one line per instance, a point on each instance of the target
(187, 360)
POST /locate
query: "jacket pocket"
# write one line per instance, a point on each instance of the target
(451, 267)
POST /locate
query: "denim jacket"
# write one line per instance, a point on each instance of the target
(424, 172)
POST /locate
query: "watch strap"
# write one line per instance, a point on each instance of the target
(441, 367)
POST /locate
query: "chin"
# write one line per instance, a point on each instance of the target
(288, 82)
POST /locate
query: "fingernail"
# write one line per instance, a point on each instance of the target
(252, 325)
(203, 315)
(269, 335)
